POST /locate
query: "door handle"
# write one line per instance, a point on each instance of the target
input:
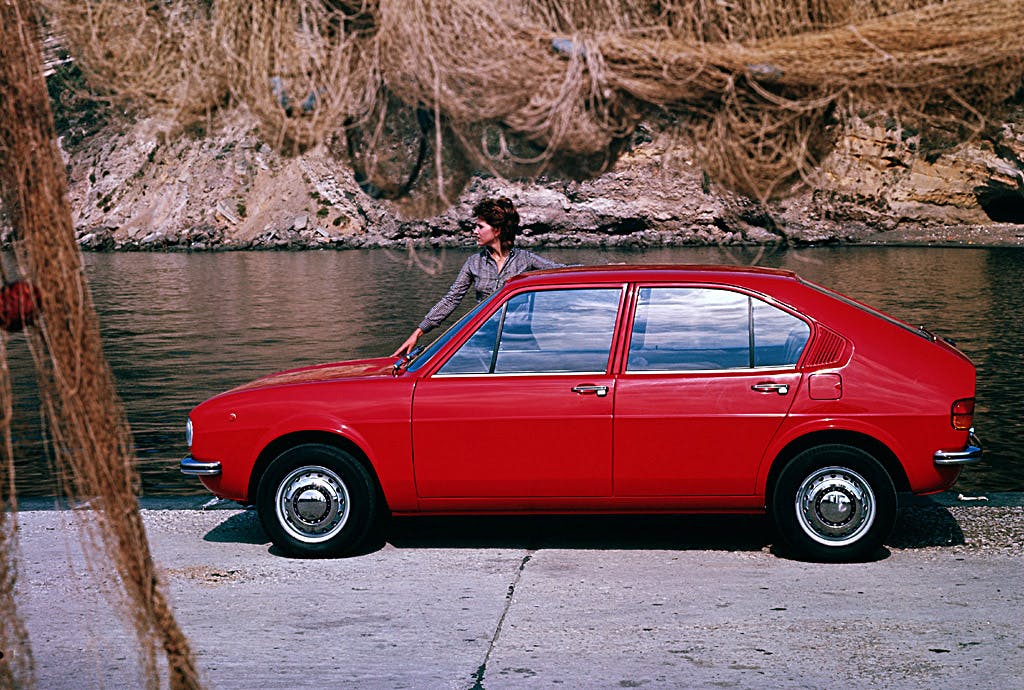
(586, 389)
(780, 388)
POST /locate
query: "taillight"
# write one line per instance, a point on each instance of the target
(962, 414)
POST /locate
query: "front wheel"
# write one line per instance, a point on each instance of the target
(316, 500)
(834, 503)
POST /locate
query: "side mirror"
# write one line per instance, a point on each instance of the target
(402, 361)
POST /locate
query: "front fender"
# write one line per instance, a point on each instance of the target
(385, 445)
(239, 435)
(313, 423)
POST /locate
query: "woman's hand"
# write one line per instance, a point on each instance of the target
(409, 344)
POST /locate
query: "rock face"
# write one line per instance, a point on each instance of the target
(878, 176)
(132, 187)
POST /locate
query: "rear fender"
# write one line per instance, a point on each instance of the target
(884, 446)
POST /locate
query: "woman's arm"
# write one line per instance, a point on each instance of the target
(451, 300)
(410, 342)
(539, 263)
(440, 311)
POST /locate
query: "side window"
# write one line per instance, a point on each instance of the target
(474, 357)
(548, 331)
(779, 338)
(701, 329)
(690, 329)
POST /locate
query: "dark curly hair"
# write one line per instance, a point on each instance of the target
(501, 214)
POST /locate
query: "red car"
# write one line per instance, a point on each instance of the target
(620, 389)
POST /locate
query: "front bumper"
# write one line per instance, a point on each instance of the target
(193, 467)
(968, 456)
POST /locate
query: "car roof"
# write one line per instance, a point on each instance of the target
(620, 273)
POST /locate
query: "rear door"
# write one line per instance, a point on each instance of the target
(709, 375)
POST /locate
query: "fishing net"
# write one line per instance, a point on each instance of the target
(422, 93)
(88, 433)
(417, 96)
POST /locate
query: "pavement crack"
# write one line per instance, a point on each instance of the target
(481, 671)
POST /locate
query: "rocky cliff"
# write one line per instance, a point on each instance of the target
(133, 186)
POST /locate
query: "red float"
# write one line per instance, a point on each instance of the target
(18, 305)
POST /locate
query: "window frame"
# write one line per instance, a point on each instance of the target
(630, 319)
(435, 351)
(470, 329)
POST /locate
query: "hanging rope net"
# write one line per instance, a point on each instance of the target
(416, 95)
(50, 305)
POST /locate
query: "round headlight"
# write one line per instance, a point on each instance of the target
(188, 433)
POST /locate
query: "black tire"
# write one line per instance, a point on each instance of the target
(317, 501)
(834, 503)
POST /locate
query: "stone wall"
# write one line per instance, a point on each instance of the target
(134, 187)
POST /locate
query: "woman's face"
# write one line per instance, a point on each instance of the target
(486, 234)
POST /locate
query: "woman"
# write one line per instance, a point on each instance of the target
(497, 223)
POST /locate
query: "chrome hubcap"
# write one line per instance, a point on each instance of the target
(312, 504)
(835, 506)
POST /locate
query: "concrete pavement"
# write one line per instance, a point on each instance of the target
(580, 602)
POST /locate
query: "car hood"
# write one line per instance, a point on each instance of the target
(354, 369)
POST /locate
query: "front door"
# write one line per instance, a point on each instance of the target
(523, 409)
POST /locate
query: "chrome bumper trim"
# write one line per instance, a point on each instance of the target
(969, 455)
(199, 469)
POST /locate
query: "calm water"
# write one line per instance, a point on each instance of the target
(179, 328)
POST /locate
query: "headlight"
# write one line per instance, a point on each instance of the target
(188, 433)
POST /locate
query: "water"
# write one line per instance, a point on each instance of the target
(178, 328)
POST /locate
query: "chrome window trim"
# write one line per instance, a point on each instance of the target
(507, 374)
(760, 370)
(752, 297)
(622, 288)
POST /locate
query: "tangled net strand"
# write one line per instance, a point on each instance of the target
(416, 95)
(89, 435)
(522, 88)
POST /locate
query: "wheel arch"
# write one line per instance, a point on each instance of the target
(869, 444)
(296, 438)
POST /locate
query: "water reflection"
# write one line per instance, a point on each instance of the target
(179, 328)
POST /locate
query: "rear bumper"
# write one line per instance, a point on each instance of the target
(191, 466)
(967, 456)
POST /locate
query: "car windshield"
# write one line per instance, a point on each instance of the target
(424, 356)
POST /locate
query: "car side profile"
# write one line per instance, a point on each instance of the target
(616, 389)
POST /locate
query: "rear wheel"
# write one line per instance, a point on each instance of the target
(317, 500)
(834, 503)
